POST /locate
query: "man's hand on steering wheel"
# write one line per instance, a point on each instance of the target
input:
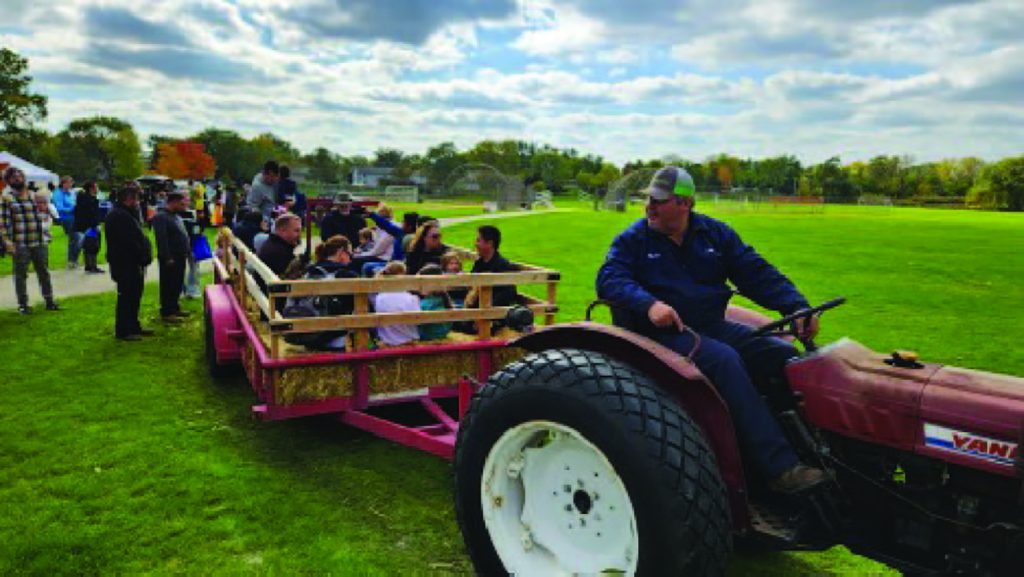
(663, 315)
(807, 330)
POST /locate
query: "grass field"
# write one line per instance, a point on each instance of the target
(127, 458)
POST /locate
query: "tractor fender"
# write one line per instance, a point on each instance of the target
(220, 307)
(675, 375)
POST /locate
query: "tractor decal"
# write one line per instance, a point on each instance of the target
(1001, 452)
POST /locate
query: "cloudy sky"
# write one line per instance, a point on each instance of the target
(621, 78)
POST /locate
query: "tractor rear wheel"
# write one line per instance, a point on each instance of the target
(569, 462)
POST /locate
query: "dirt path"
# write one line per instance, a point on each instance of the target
(70, 283)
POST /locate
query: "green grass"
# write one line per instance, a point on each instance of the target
(128, 458)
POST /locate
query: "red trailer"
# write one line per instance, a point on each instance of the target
(584, 448)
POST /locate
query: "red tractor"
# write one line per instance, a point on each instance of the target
(604, 452)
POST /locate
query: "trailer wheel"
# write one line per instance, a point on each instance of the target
(569, 462)
(217, 370)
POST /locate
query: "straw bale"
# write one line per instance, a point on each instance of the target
(313, 383)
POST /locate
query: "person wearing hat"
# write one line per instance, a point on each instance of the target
(341, 220)
(21, 233)
(669, 270)
(173, 246)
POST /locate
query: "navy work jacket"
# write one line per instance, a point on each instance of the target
(644, 266)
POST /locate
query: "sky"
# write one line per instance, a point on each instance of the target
(622, 79)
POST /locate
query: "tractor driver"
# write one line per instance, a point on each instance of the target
(671, 268)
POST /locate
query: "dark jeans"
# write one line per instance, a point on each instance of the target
(68, 225)
(39, 256)
(725, 357)
(130, 284)
(172, 279)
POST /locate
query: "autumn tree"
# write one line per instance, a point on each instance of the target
(185, 160)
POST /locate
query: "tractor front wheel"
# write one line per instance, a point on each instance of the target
(569, 462)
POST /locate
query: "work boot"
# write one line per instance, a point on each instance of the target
(797, 479)
(51, 305)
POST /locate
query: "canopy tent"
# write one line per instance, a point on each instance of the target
(32, 172)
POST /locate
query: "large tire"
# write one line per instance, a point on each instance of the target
(658, 453)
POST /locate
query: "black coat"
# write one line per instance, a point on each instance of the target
(87, 212)
(347, 225)
(128, 247)
(503, 295)
(276, 254)
(172, 240)
(417, 259)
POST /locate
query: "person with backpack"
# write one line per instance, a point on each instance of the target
(332, 262)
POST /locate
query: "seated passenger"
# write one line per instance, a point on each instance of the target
(365, 242)
(332, 260)
(488, 239)
(434, 301)
(426, 247)
(452, 264)
(393, 302)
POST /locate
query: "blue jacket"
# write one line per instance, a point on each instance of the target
(644, 266)
(392, 229)
(64, 200)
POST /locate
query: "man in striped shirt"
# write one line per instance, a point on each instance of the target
(22, 234)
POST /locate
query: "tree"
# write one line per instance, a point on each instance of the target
(439, 162)
(325, 166)
(388, 157)
(829, 179)
(1000, 185)
(231, 153)
(102, 148)
(185, 160)
(19, 108)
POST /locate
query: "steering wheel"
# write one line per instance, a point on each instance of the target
(786, 326)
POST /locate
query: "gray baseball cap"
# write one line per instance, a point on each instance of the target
(670, 181)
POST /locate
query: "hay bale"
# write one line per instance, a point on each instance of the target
(400, 374)
(316, 383)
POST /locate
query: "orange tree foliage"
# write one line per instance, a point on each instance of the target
(184, 160)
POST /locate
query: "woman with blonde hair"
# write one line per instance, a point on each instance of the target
(426, 247)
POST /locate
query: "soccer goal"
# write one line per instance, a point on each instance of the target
(402, 193)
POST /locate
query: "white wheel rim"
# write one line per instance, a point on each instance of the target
(554, 505)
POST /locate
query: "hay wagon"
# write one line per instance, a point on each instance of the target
(364, 383)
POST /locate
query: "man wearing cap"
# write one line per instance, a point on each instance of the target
(21, 232)
(669, 270)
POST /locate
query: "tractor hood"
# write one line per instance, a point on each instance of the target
(973, 418)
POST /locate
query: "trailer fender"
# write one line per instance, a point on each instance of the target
(676, 375)
(220, 307)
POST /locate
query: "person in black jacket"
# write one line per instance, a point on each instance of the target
(488, 239)
(279, 250)
(250, 223)
(342, 220)
(128, 255)
(426, 247)
(172, 247)
(87, 225)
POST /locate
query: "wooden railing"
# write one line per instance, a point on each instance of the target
(245, 268)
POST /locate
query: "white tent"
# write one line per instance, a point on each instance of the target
(32, 172)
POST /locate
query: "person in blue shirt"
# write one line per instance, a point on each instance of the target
(64, 201)
(669, 270)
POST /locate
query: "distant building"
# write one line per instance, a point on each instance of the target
(371, 176)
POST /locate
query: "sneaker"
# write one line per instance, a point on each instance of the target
(96, 270)
(52, 306)
(171, 319)
(72, 265)
(797, 479)
(129, 338)
(146, 332)
(24, 310)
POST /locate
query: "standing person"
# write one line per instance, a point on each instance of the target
(230, 205)
(87, 225)
(128, 255)
(262, 194)
(194, 227)
(22, 236)
(286, 188)
(64, 200)
(671, 268)
(342, 220)
(172, 249)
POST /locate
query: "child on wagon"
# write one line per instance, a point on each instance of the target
(437, 300)
(393, 302)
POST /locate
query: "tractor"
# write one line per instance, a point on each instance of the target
(602, 452)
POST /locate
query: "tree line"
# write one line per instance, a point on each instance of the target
(109, 150)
